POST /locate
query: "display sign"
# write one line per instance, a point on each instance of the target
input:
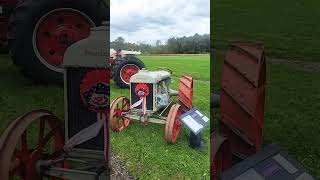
(270, 163)
(195, 120)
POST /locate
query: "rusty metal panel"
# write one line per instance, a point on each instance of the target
(221, 157)
(186, 91)
(243, 96)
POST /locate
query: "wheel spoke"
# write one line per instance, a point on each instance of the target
(123, 104)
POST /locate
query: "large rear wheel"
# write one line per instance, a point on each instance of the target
(41, 31)
(124, 68)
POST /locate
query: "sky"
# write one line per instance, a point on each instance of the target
(146, 21)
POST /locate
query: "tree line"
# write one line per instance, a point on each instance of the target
(196, 44)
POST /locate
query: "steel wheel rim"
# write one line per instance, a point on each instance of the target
(117, 121)
(173, 124)
(45, 50)
(23, 162)
(127, 71)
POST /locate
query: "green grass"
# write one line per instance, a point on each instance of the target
(182, 64)
(288, 29)
(19, 95)
(144, 149)
(292, 111)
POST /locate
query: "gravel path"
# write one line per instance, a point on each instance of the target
(118, 169)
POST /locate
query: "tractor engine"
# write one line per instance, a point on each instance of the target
(150, 90)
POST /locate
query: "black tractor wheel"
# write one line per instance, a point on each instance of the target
(40, 31)
(124, 68)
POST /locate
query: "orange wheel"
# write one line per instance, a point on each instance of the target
(173, 124)
(19, 152)
(221, 156)
(119, 106)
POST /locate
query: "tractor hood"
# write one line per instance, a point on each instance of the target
(145, 76)
(90, 52)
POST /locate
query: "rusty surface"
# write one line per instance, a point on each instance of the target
(118, 122)
(186, 91)
(173, 124)
(22, 162)
(243, 97)
(221, 156)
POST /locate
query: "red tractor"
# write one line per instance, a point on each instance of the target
(124, 65)
(37, 33)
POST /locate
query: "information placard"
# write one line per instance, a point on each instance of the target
(195, 120)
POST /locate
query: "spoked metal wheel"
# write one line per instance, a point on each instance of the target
(119, 106)
(55, 32)
(32, 137)
(173, 124)
(127, 71)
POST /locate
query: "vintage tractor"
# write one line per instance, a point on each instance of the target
(124, 65)
(37, 33)
(149, 100)
(37, 145)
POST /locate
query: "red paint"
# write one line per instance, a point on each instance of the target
(57, 32)
(243, 97)
(186, 91)
(127, 71)
(99, 102)
(221, 156)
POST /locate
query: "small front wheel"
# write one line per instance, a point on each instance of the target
(119, 107)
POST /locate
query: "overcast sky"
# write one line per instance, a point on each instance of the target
(150, 20)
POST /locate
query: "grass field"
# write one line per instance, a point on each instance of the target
(145, 150)
(288, 29)
(292, 111)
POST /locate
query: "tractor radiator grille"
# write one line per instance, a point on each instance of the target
(78, 116)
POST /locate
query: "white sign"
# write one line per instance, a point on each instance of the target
(194, 120)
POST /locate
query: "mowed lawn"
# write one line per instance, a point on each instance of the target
(291, 113)
(288, 29)
(19, 95)
(144, 149)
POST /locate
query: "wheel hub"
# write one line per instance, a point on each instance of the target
(127, 71)
(66, 35)
(55, 32)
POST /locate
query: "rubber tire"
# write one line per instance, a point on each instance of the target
(21, 26)
(119, 63)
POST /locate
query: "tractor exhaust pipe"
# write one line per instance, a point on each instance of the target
(173, 92)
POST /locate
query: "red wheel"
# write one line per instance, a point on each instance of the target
(19, 152)
(56, 31)
(127, 71)
(173, 124)
(119, 106)
(221, 155)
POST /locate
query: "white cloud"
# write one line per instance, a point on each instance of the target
(149, 20)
